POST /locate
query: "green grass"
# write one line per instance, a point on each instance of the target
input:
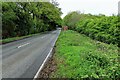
(78, 56)
(3, 41)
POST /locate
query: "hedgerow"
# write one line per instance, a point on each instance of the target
(105, 29)
(99, 27)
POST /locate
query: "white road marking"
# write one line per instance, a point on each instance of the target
(37, 74)
(43, 36)
(41, 67)
(23, 45)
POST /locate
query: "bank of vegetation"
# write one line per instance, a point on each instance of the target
(80, 57)
(99, 27)
(25, 18)
(89, 49)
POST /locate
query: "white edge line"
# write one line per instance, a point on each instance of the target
(37, 74)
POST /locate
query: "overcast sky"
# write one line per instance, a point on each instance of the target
(107, 7)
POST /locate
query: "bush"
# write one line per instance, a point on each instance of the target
(99, 27)
(105, 29)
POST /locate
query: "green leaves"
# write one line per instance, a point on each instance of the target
(80, 57)
(98, 27)
(24, 18)
(71, 19)
(102, 29)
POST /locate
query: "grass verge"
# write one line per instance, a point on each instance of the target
(3, 41)
(78, 56)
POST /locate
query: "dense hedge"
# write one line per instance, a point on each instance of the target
(100, 27)
(105, 29)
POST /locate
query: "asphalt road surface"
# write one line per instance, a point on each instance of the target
(22, 59)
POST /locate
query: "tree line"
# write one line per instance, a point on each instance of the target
(99, 27)
(24, 18)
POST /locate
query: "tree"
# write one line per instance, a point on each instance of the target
(24, 18)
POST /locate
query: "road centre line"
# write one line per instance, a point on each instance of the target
(23, 45)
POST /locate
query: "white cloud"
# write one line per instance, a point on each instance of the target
(107, 7)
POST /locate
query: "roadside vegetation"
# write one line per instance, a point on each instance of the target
(78, 56)
(99, 27)
(89, 50)
(26, 18)
(7, 40)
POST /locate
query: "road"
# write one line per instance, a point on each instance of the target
(22, 59)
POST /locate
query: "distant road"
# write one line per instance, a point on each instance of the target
(22, 59)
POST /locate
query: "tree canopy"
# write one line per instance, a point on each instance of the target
(23, 18)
